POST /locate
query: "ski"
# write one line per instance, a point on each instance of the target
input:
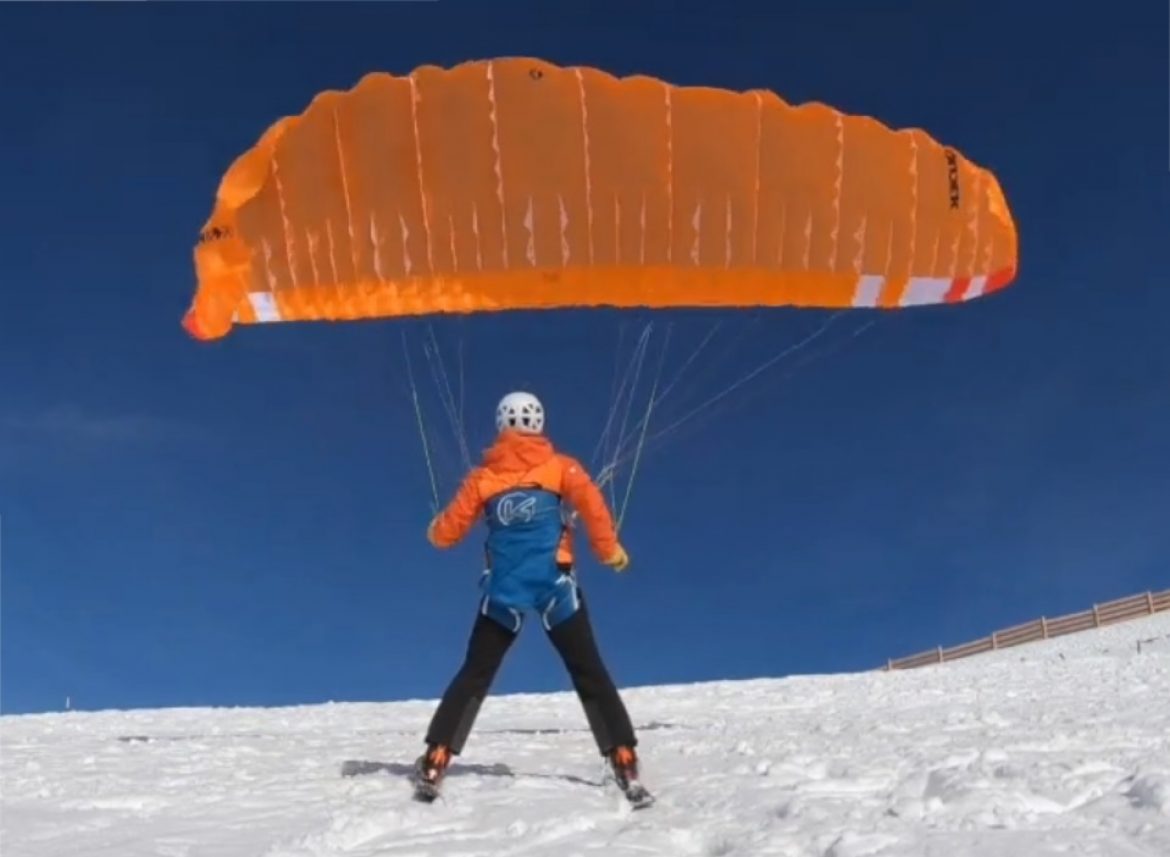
(638, 795)
(425, 791)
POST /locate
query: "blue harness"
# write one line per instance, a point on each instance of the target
(524, 529)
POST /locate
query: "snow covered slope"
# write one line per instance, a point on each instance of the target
(1057, 748)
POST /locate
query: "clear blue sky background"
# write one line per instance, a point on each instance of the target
(241, 522)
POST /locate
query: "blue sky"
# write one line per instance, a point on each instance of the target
(241, 522)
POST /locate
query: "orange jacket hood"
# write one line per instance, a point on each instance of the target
(513, 451)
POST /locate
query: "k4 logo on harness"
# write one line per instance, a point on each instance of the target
(515, 507)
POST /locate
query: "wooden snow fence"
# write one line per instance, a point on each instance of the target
(1109, 613)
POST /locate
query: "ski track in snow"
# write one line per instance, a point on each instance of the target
(1056, 748)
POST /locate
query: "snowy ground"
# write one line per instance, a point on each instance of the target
(1058, 748)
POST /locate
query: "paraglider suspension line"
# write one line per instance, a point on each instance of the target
(645, 425)
(421, 427)
(446, 394)
(619, 391)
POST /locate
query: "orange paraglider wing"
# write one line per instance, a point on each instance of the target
(516, 184)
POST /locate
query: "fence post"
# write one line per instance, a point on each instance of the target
(1096, 617)
(995, 639)
(1149, 602)
(940, 654)
(1044, 627)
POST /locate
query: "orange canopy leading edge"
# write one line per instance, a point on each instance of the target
(516, 184)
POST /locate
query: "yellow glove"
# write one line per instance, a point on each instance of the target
(619, 560)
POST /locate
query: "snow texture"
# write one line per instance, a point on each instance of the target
(1055, 748)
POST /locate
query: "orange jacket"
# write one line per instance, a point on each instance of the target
(515, 460)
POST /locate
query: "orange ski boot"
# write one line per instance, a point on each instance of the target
(623, 762)
(429, 771)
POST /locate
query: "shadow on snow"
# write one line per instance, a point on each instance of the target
(362, 768)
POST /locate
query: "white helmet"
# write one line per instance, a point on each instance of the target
(522, 412)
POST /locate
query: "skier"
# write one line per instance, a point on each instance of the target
(519, 490)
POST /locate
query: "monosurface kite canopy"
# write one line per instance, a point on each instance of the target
(516, 184)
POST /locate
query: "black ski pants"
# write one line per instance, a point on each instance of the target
(573, 639)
